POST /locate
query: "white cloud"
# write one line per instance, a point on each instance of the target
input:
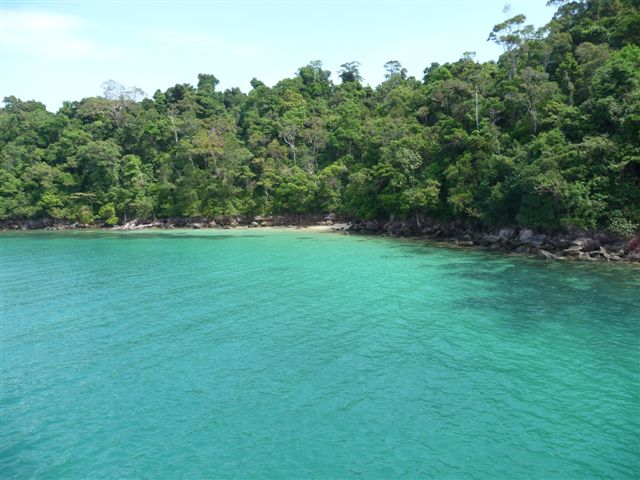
(52, 36)
(174, 39)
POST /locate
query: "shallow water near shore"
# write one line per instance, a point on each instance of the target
(294, 354)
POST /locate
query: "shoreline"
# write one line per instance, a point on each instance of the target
(556, 246)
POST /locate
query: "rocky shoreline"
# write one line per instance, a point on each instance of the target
(224, 222)
(577, 245)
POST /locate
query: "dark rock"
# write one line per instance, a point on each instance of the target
(531, 238)
(371, 226)
(506, 234)
(525, 235)
(633, 245)
(405, 229)
(489, 238)
(523, 249)
(394, 228)
(560, 241)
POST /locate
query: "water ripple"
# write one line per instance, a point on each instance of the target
(287, 355)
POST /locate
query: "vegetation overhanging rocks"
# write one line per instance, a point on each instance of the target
(544, 143)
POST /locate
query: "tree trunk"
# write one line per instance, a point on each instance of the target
(477, 122)
(512, 69)
(534, 119)
(292, 145)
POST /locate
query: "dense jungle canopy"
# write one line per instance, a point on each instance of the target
(546, 137)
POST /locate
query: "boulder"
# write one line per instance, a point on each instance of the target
(587, 244)
(371, 226)
(531, 238)
(633, 245)
(560, 241)
(538, 239)
(586, 257)
(489, 238)
(506, 234)
(405, 229)
(572, 251)
(393, 228)
(465, 243)
(34, 224)
(525, 235)
(547, 255)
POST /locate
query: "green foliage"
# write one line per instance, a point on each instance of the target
(621, 226)
(84, 215)
(108, 214)
(296, 193)
(548, 136)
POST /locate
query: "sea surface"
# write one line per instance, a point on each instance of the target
(293, 354)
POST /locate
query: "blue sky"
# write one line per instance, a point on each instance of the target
(63, 50)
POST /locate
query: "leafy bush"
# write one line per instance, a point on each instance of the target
(108, 214)
(621, 226)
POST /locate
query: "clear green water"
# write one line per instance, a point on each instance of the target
(290, 354)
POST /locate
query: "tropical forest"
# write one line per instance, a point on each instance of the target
(547, 137)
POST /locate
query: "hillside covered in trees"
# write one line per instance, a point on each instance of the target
(548, 137)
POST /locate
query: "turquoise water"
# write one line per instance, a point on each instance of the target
(293, 354)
